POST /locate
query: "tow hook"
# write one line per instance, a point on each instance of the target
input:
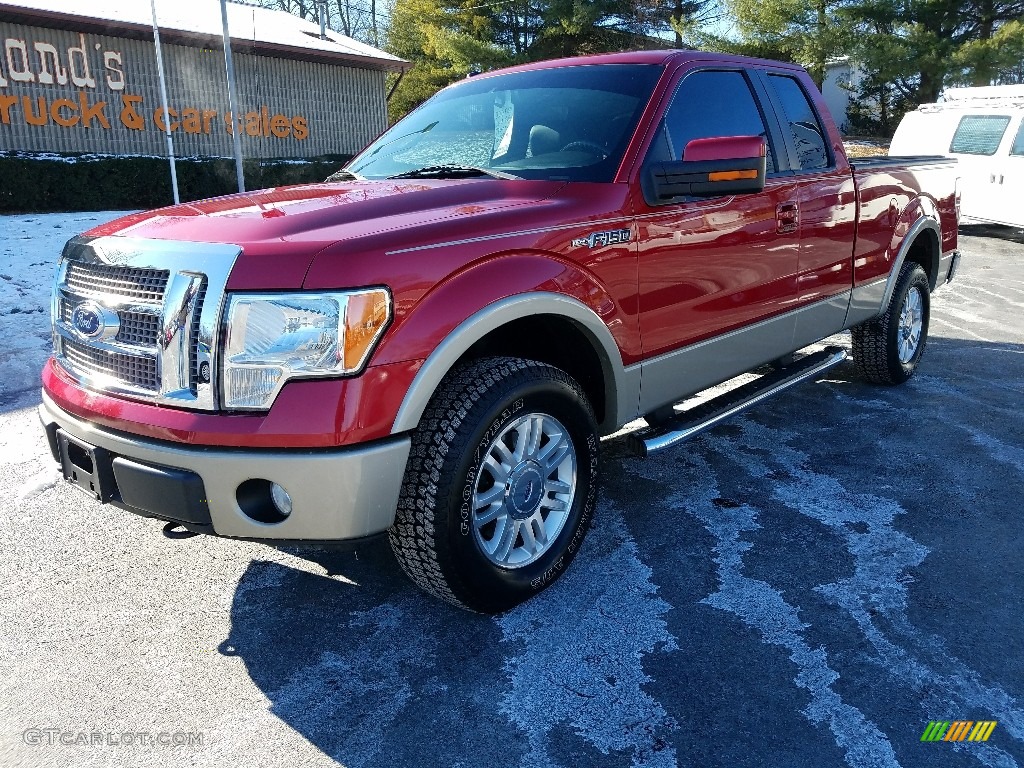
(171, 531)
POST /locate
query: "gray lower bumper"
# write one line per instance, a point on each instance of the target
(343, 493)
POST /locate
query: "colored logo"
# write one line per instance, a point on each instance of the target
(91, 321)
(87, 319)
(958, 730)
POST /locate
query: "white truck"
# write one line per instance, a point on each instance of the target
(983, 128)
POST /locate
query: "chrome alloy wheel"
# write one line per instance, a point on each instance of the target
(524, 490)
(911, 325)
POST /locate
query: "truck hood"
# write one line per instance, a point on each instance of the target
(281, 230)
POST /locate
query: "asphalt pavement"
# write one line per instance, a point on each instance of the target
(808, 585)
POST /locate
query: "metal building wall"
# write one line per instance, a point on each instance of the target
(343, 107)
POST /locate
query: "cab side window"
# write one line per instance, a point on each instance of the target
(803, 124)
(709, 104)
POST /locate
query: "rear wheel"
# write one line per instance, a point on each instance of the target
(888, 349)
(501, 484)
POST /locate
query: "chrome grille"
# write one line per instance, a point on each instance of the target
(193, 353)
(137, 370)
(150, 317)
(99, 280)
(140, 329)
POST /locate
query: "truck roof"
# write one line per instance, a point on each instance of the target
(643, 57)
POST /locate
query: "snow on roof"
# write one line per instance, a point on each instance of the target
(269, 31)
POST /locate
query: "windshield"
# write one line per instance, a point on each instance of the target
(566, 123)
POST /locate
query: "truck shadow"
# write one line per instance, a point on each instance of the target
(341, 654)
(371, 672)
(996, 231)
(19, 400)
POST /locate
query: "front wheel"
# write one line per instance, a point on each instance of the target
(501, 484)
(888, 349)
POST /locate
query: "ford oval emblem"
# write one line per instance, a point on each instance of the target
(88, 319)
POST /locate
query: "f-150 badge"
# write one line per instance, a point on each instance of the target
(601, 239)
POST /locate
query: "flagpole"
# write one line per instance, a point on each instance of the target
(229, 69)
(163, 101)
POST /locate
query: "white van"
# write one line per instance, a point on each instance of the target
(984, 129)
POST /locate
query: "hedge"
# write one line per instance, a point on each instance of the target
(49, 182)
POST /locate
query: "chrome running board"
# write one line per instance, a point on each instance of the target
(710, 414)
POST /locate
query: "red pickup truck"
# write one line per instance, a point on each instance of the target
(431, 344)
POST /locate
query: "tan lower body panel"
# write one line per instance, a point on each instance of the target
(341, 493)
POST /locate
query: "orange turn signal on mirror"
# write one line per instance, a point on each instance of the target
(732, 175)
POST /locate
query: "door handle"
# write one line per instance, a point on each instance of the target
(787, 217)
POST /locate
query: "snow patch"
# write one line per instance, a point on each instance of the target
(40, 482)
(763, 608)
(582, 647)
(30, 247)
(997, 450)
(875, 595)
(22, 442)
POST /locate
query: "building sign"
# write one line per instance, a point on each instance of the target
(71, 90)
(105, 97)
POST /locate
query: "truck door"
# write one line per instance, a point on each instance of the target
(980, 164)
(711, 266)
(1007, 176)
(827, 202)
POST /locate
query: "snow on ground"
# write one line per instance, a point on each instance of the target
(30, 246)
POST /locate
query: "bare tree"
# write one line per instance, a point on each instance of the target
(358, 19)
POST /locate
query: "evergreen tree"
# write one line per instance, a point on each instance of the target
(933, 43)
(448, 40)
(444, 42)
(809, 33)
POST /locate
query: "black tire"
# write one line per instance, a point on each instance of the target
(877, 343)
(436, 536)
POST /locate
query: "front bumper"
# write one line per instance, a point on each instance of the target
(337, 494)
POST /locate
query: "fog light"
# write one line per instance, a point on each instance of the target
(264, 501)
(282, 500)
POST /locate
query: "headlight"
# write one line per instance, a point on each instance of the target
(275, 337)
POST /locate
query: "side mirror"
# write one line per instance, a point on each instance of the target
(727, 165)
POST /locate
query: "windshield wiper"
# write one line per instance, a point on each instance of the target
(452, 172)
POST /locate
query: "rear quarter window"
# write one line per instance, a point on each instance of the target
(979, 134)
(808, 134)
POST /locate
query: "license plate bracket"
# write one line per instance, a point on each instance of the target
(87, 467)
